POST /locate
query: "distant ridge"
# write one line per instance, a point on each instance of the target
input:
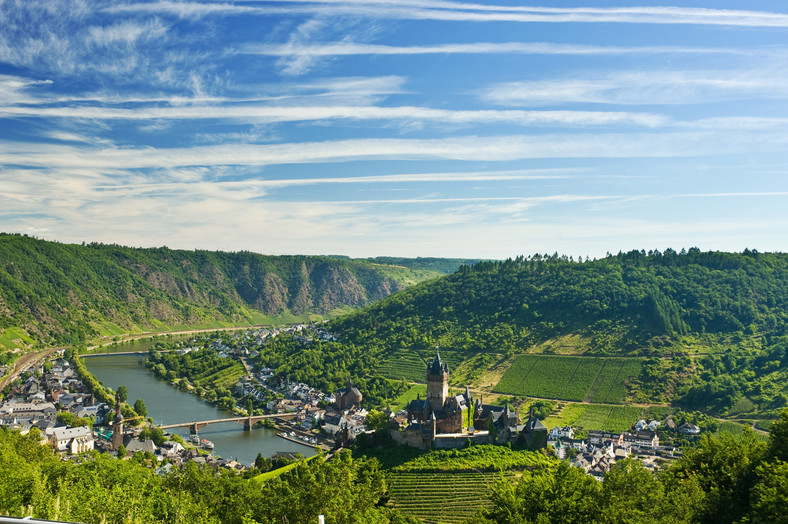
(53, 293)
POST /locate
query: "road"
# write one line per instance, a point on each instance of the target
(32, 359)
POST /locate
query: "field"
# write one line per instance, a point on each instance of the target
(595, 416)
(401, 401)
(404, 364)
(13, 337)
(410, 365)
(440, 497)
(738, 429)
(224, 378)
(594, 379)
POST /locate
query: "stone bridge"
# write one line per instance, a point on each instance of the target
(248, 422)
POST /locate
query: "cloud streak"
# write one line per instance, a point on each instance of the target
(643, 87)
(525, 48)
(467, 12)
(468, 148)
(277, 114)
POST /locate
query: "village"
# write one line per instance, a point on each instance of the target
(53, 400)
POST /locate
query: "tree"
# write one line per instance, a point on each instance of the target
(561, 494)
(145, 433)
(121, 451)
(778, 438)
(157, 436)
(139, 407)
(377, 421)
(724, 467)
(123, 393)
(769, 496)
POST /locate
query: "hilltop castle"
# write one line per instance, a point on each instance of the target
(443, 420)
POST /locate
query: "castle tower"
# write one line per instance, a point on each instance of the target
(437, 383)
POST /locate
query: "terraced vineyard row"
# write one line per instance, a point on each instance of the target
(403, 364)
(595, 379)
(224, 378)
(410, 365)
(440, 497)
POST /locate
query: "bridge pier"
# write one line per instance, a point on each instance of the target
(196, 427)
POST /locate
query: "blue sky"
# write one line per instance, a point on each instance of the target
(396, 127)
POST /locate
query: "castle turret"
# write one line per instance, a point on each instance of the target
(437, 382)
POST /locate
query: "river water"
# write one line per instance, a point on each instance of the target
(168, 405)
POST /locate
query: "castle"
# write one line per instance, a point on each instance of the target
(448, 421)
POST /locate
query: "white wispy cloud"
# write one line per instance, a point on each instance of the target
(643, 87)
(469, 12)
(275, 114)
(467, 148)
(529, 48)
(126, 33)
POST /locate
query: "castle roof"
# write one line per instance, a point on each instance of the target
(438, 367)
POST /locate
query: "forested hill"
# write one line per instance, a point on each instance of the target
(720, 315)
(61, 293)
(634, 303)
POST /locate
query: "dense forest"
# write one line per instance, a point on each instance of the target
(725, 479)
(52, 293)
(712, 324)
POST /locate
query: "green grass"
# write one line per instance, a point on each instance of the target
(567, 417)
(595, 416)
(14, 337)
(401, 401)
(743, 405)
(569, 378)
(621, 418)
(737, 429)
(268, 475)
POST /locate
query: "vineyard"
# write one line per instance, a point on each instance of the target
(410, 365)
(440, 497)
(594, 379)
(222, 378)
(404, 364)
(596, 416)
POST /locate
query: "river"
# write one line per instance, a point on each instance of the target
(167, 405)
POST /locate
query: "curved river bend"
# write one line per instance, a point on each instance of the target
(167, 405)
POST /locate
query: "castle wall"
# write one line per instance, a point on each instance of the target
(411, 438)
(458, 440)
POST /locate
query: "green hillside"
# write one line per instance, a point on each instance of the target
(704, 329)
(52, 293)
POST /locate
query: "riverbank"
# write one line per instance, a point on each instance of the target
(297, 440)
(168, 405)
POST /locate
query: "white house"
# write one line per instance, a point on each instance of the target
(564, 432)
(73, 440)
